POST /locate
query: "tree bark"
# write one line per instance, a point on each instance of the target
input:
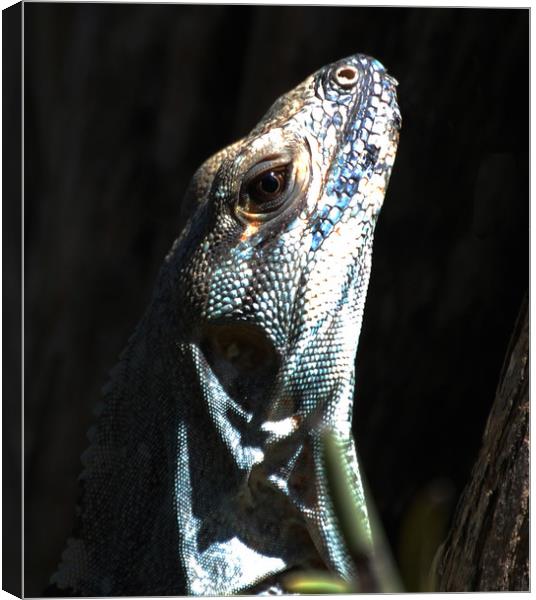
(487, 548)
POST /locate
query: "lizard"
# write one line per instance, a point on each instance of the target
(204, 473)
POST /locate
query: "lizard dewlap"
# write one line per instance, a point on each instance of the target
(204, 474)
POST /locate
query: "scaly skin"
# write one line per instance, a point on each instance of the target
(205, 474)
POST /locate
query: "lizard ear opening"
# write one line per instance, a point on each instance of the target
(242, 358)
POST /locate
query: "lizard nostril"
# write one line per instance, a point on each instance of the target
(346, 76)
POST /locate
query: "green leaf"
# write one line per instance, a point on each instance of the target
(373, 560)
(314, 582)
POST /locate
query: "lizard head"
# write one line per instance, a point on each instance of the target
(281, 240)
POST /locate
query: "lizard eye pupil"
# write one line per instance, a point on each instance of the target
(270, 183)
(264, 191)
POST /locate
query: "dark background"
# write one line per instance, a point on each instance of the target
(123, 102)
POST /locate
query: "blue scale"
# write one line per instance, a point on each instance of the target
(324, 212)
(340, 186)
(343, 201)
(348, 171)
(377, 65)
(351, 187)
(332, 95)
(325, 228)
(317, 240)
(334, 215)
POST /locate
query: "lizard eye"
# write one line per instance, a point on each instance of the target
(275, 183)
(264, 190)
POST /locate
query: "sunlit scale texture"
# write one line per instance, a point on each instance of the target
(205, 472)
